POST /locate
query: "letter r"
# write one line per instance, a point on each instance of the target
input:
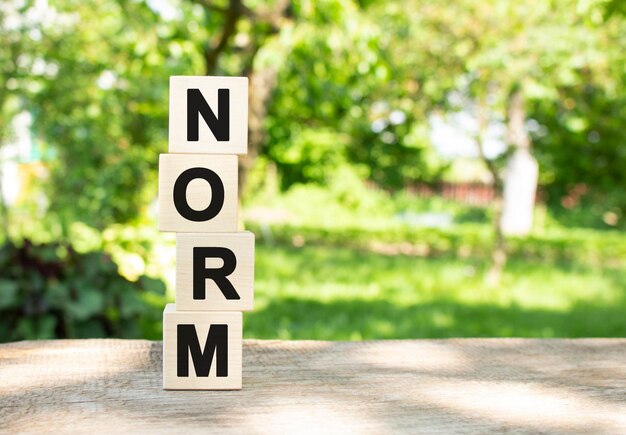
(201, 273)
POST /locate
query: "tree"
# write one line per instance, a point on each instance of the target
(234, 49)
(498, 56)
(102, 117)
(580, 140)
(340, 104)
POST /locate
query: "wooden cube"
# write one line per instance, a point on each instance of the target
(215, 271)
(208, 115)
(201, 349)
(198, 193)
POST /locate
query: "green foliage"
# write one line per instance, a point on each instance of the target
(584, 247)
(586, 122)
(338, 104)
(344, 200)
(103, 115)
(52, 291)
(405, 202)
(349, 213)
(594, 211)
(357, 82)
(94, 75)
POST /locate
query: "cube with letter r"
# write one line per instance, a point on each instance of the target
(215, 271)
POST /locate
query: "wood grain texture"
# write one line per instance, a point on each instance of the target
(410, 386)
(202, 320)
(241, 244)
(207, 143)
(198, 191)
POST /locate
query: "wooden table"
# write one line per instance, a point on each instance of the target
(443, 386)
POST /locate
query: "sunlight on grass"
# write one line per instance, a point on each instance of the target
(338, 293)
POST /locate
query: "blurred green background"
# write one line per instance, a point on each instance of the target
(390, 143)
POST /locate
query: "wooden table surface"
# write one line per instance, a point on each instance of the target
(442, 386)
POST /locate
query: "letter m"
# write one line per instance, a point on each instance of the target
(216, 344)
(197, 106)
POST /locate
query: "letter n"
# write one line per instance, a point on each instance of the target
(197, 105)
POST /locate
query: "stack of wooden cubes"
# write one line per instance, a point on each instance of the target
(202, 330)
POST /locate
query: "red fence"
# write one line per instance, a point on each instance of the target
(476, 194)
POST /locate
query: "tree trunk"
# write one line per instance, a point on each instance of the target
(261, 82)
(498, 252)
(261, 86)
(515, 192)
(214, 49)
(520, 181)
(520, 185)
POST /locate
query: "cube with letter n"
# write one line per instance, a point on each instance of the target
(208, 115)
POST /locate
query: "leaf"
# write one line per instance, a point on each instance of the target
(90, 329)
(131, 304)
(88, 304)
(8, 293)
(152, 285)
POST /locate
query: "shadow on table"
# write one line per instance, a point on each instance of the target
(380, 386)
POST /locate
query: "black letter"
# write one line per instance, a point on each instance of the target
(197, 105)
(180, 194)
(201, 273)
(216, 341)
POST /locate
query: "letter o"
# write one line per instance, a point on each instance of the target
(180, 194)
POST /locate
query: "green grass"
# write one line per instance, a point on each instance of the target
(334, 293)
(559, 282)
